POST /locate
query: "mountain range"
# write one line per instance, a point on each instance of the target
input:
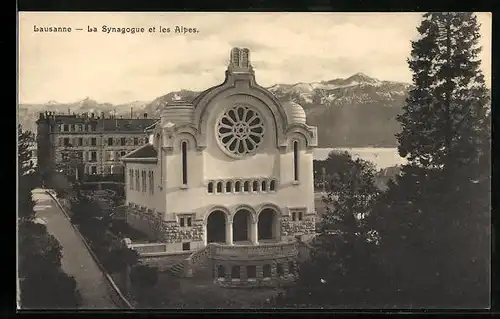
(358, 111)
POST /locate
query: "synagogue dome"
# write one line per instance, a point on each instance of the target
(177, 112)
(294, 112)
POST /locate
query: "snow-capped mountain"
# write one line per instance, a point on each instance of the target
(353, 112)
(358, 88)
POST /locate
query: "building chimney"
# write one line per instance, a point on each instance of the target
(145, 115)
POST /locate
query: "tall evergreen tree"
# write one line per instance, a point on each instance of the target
(445, 113)
(434, 219)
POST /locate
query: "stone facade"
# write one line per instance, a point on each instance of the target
(279, 272)
(170, 232)
(173, 233)
(298, 227)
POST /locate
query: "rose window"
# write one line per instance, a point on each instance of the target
(240, 130)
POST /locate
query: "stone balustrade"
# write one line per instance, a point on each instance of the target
(255, 252)
(149, 248)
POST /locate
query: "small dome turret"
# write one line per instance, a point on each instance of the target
(177, 112)
(294, 112)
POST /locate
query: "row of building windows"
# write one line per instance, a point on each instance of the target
(92, 141)
(251, 271)
(242, 186)
(140, 183)
(76, 128)
(91, 156)
(106, 169)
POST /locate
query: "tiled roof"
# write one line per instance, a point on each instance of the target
(108, 124)
(152, 126)
(124, 124)
(146, 151)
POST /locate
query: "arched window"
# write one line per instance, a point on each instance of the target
(228, 187)
(246, 186)
(184, 162)
(219, 187)
(255, 187)
(237, 187)
(272, 185)
(264, 186)
(211, 187)
(295, 161)
(157, 141)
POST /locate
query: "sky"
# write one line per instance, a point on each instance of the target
(284, 48)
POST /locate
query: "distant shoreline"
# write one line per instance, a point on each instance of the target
(382, 157)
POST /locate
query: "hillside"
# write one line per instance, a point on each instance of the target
(358, 111)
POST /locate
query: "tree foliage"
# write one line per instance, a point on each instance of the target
(445, 113)
(50, 289)
(343, 255)
(434, 219)
(26, 180)
(118, 259)
(144, 276)
(43, 284)
(38, 249)
(93, 221)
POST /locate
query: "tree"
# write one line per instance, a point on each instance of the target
(434, 219)
(120, 258)
(446, 109)
(92, 220)
(50, 289)
(343, 267)
(144, 276)
(71, 163)
(38, 249)
(43, 284)
(25, 176)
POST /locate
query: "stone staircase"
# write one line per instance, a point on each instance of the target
(177, 269)
(199, 264)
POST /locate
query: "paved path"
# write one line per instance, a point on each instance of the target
(77, 261)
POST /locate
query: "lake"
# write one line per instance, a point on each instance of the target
(380, 156)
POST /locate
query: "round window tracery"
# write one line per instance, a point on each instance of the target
(240, 130)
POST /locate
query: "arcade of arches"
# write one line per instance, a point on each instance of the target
(243, 228)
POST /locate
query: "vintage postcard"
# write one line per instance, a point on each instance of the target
(254, 160)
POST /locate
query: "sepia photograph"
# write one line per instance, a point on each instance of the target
(258, 160)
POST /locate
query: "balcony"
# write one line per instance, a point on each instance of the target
(263, 251)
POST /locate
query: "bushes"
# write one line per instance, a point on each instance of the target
(49, 288)
(144, 276)
(43, 283)
(118, 259)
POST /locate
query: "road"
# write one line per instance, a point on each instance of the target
(94, 288)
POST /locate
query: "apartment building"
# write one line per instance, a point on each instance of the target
(95, 144)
